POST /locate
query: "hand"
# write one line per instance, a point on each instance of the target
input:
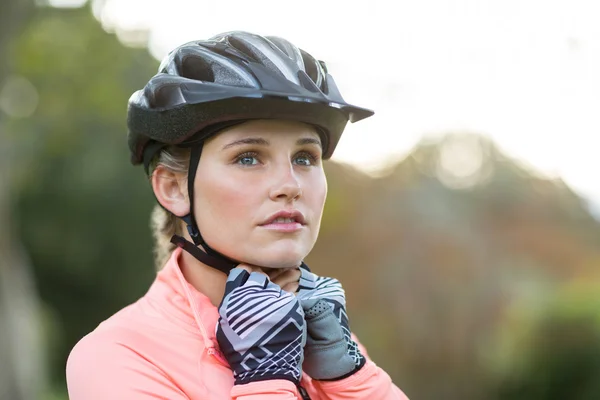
(330, 352)
(286, 278)
(261, 329)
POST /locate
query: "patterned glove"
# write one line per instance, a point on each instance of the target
(261, 329)
(330, 352)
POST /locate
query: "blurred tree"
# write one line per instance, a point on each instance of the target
(560, 355)
(82, 208)
(22, 372)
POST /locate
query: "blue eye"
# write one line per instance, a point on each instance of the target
(247, 159)
(305, 159)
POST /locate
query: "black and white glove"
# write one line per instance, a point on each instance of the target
(261, 329)
(330, 353)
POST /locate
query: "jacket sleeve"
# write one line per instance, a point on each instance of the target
(371, 382)
(109, 370)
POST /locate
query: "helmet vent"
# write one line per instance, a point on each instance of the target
(313, 69)
(197, 68)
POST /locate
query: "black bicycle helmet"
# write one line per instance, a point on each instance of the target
(203, 87)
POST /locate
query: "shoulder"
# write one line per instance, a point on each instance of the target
(107, 364)
(103, 348)
(96, 360)
(115, 332)
(115, 344)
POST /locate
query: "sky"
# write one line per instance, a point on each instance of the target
(524, 72)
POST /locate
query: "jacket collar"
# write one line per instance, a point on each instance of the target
(184, 304)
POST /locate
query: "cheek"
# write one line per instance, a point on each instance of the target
(318, 196)
(324, 191)
(223, 204)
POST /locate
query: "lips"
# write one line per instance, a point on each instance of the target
(285, 217)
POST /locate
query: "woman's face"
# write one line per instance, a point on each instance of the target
(249, 174)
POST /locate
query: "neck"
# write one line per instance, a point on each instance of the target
(205, 279)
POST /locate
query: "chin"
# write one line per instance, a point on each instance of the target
(281, 253)
(278, 258)
(273, 261)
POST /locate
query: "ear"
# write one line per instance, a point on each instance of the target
(170, 189)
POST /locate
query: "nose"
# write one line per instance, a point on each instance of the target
(287, 185)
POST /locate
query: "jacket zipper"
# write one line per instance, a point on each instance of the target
(303, 393)
(217, 355)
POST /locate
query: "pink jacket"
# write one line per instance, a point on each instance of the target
(164, 347)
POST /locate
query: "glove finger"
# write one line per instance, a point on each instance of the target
(306, 283)
(237, 277)
(259, 279)
(330, 289)
(271, 286)
(304, 266)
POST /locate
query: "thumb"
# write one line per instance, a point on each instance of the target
(313, 308)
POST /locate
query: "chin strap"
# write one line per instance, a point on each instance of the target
(221, 263)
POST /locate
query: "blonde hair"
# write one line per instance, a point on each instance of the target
(163, 223)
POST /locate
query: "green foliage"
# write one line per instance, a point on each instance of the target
(83, 210)
(561, 356)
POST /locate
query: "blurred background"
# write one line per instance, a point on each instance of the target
(462, 218)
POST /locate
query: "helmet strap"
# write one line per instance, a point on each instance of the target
(189, 219)
(209, 256)
(220, 263)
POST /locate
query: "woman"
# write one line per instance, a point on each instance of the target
(232, 132)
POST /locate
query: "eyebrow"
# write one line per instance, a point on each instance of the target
(264, 142)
